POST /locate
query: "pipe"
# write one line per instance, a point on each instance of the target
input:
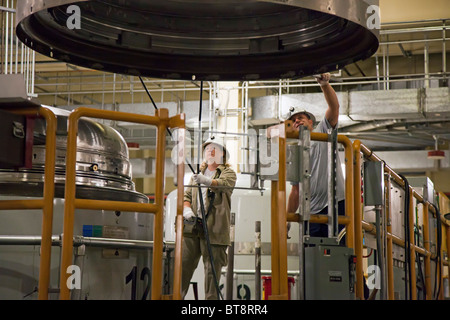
(49, 193)
(389, 247)
(426, 65)
(395, 239)
(444, 51)
(158, 224)
(25, 240)
(87, 241)
(6, 38)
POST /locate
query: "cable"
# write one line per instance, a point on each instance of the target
(156, 108)
(438, 252)
(407, 241)
(419, 262)
(204, 217)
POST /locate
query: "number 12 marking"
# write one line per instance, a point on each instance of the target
(132, 277)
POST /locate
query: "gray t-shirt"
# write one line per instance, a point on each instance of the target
(319, 171)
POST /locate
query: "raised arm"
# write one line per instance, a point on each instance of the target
(332, 113)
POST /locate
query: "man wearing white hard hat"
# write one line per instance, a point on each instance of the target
(217, 180)
(319, 159)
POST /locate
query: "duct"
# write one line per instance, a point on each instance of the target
(377, 124)
(213, 40)
(437, 102)
(271, 109)
(383, 105)
(413, 161)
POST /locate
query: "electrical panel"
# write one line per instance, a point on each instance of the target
(329, 273)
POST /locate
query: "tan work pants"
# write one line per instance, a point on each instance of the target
(194, 248)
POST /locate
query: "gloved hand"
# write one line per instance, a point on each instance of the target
(324, 79)
(188, 214)
(200, 178)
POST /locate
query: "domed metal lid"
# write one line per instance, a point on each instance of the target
(200, 39)
(103, 169)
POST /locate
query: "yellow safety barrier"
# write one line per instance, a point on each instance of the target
(352, 219)
(279, 216)
(46, 203)
(360, 149)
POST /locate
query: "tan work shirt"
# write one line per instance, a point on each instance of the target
(218, 220)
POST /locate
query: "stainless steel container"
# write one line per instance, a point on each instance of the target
(113, 249)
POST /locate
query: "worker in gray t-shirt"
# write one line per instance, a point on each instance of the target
(319, 160)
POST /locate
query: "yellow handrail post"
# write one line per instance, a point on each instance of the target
(46, 203)
(49, 193)
(179, 218)
(358, 220)
(281, 213)
(349, 189)
(69, 204)
(162, 121)
(279, 222)
(275, 258)
(158, 224)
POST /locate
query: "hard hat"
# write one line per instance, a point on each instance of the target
(220, 141)
(295, 110)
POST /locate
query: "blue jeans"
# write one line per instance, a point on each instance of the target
(320, 229)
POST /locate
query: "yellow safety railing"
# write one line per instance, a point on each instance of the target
(360, 149)
(46, 203)
(352, 219)
(279, 216)
(162, 121)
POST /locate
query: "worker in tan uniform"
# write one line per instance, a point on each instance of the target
(217, 180)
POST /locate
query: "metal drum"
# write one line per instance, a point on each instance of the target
(112, 249)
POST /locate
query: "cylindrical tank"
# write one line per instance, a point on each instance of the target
(111, 268)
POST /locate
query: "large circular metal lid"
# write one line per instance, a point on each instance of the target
(103, 169)
(202, 39)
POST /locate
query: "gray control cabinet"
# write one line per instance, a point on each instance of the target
(329, 273)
